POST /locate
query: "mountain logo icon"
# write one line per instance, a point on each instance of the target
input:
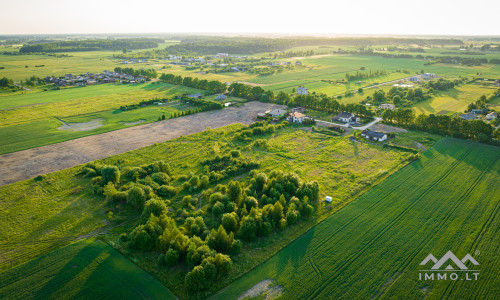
(449, 258)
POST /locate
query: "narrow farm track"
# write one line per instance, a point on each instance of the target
(372, 248)
(30, 163)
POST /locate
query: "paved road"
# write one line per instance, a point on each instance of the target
(30, 163)
(377, 119)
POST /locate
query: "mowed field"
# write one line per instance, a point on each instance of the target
(83, 270)
(447, 200)
(35, 119)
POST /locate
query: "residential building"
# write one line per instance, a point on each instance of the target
(197, 96)
(299, 109)
(468, 117)
(296, 117)
(346, 117)
(414, 78)
(302, 91)
(374, 135)
(220, 97)
(427, 76)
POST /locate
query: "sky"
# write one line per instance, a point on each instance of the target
(376, 17)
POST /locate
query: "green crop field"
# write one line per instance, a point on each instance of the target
(32, 119)
(83, 270)
(447, 200)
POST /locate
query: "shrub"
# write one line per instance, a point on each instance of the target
(166, 191)
(171, 257)
(110, 174)
(136, 197)
(160, 178)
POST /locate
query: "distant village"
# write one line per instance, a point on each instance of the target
(92, 79)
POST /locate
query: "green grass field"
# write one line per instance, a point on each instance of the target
(373, 247)
(40, 216)
(32, 119)
(83, 270)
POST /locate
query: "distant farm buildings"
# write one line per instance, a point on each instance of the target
(277, 113)
(302, 91)
(427, 76)
(374, 135)
(414, 79)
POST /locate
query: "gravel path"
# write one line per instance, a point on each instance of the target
(30, 163)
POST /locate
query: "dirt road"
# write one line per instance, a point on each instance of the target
(30, 163)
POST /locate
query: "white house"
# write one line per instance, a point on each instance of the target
(414, 78)
(328, 199)
(220, 97)
(296, 117)
(387, 106)
(302, 91)
(346, 117)
(374, 135)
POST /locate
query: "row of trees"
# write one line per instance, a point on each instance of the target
(149, 73)
(439, 124)
(364, 75)
(91, 45)
(214, 86)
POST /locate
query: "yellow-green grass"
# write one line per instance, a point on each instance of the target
(61, 207)
(372, 248)
(453, 100)
(36, 122)
(83, 270)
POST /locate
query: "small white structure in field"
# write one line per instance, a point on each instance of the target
(328, 199)
(302, 91)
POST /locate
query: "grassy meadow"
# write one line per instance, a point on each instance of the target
(373, 247)
(86, 269)
(32, 119)
(42, 215)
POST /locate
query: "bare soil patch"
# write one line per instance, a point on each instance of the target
(93, 124)
(30, 163)
(264, 288)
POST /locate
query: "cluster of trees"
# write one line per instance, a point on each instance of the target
(214, 86)
(443, 84)
(323, 103)
(440, 124)
(203, 238)
(6, 83)
(91, 45)
(34, 80)
(403, 96)
(257, 129)
(149, 73)
(364, 75)
(481, 103)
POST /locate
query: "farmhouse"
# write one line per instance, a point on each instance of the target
(296, 117)
(220, 97)
(491, 116)
(374, 135)
(414, 78)
(328, 199)
(346, 117)
(197, 96)
(468, 117)
(277, 113)
(387, 106)
(302, 91)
